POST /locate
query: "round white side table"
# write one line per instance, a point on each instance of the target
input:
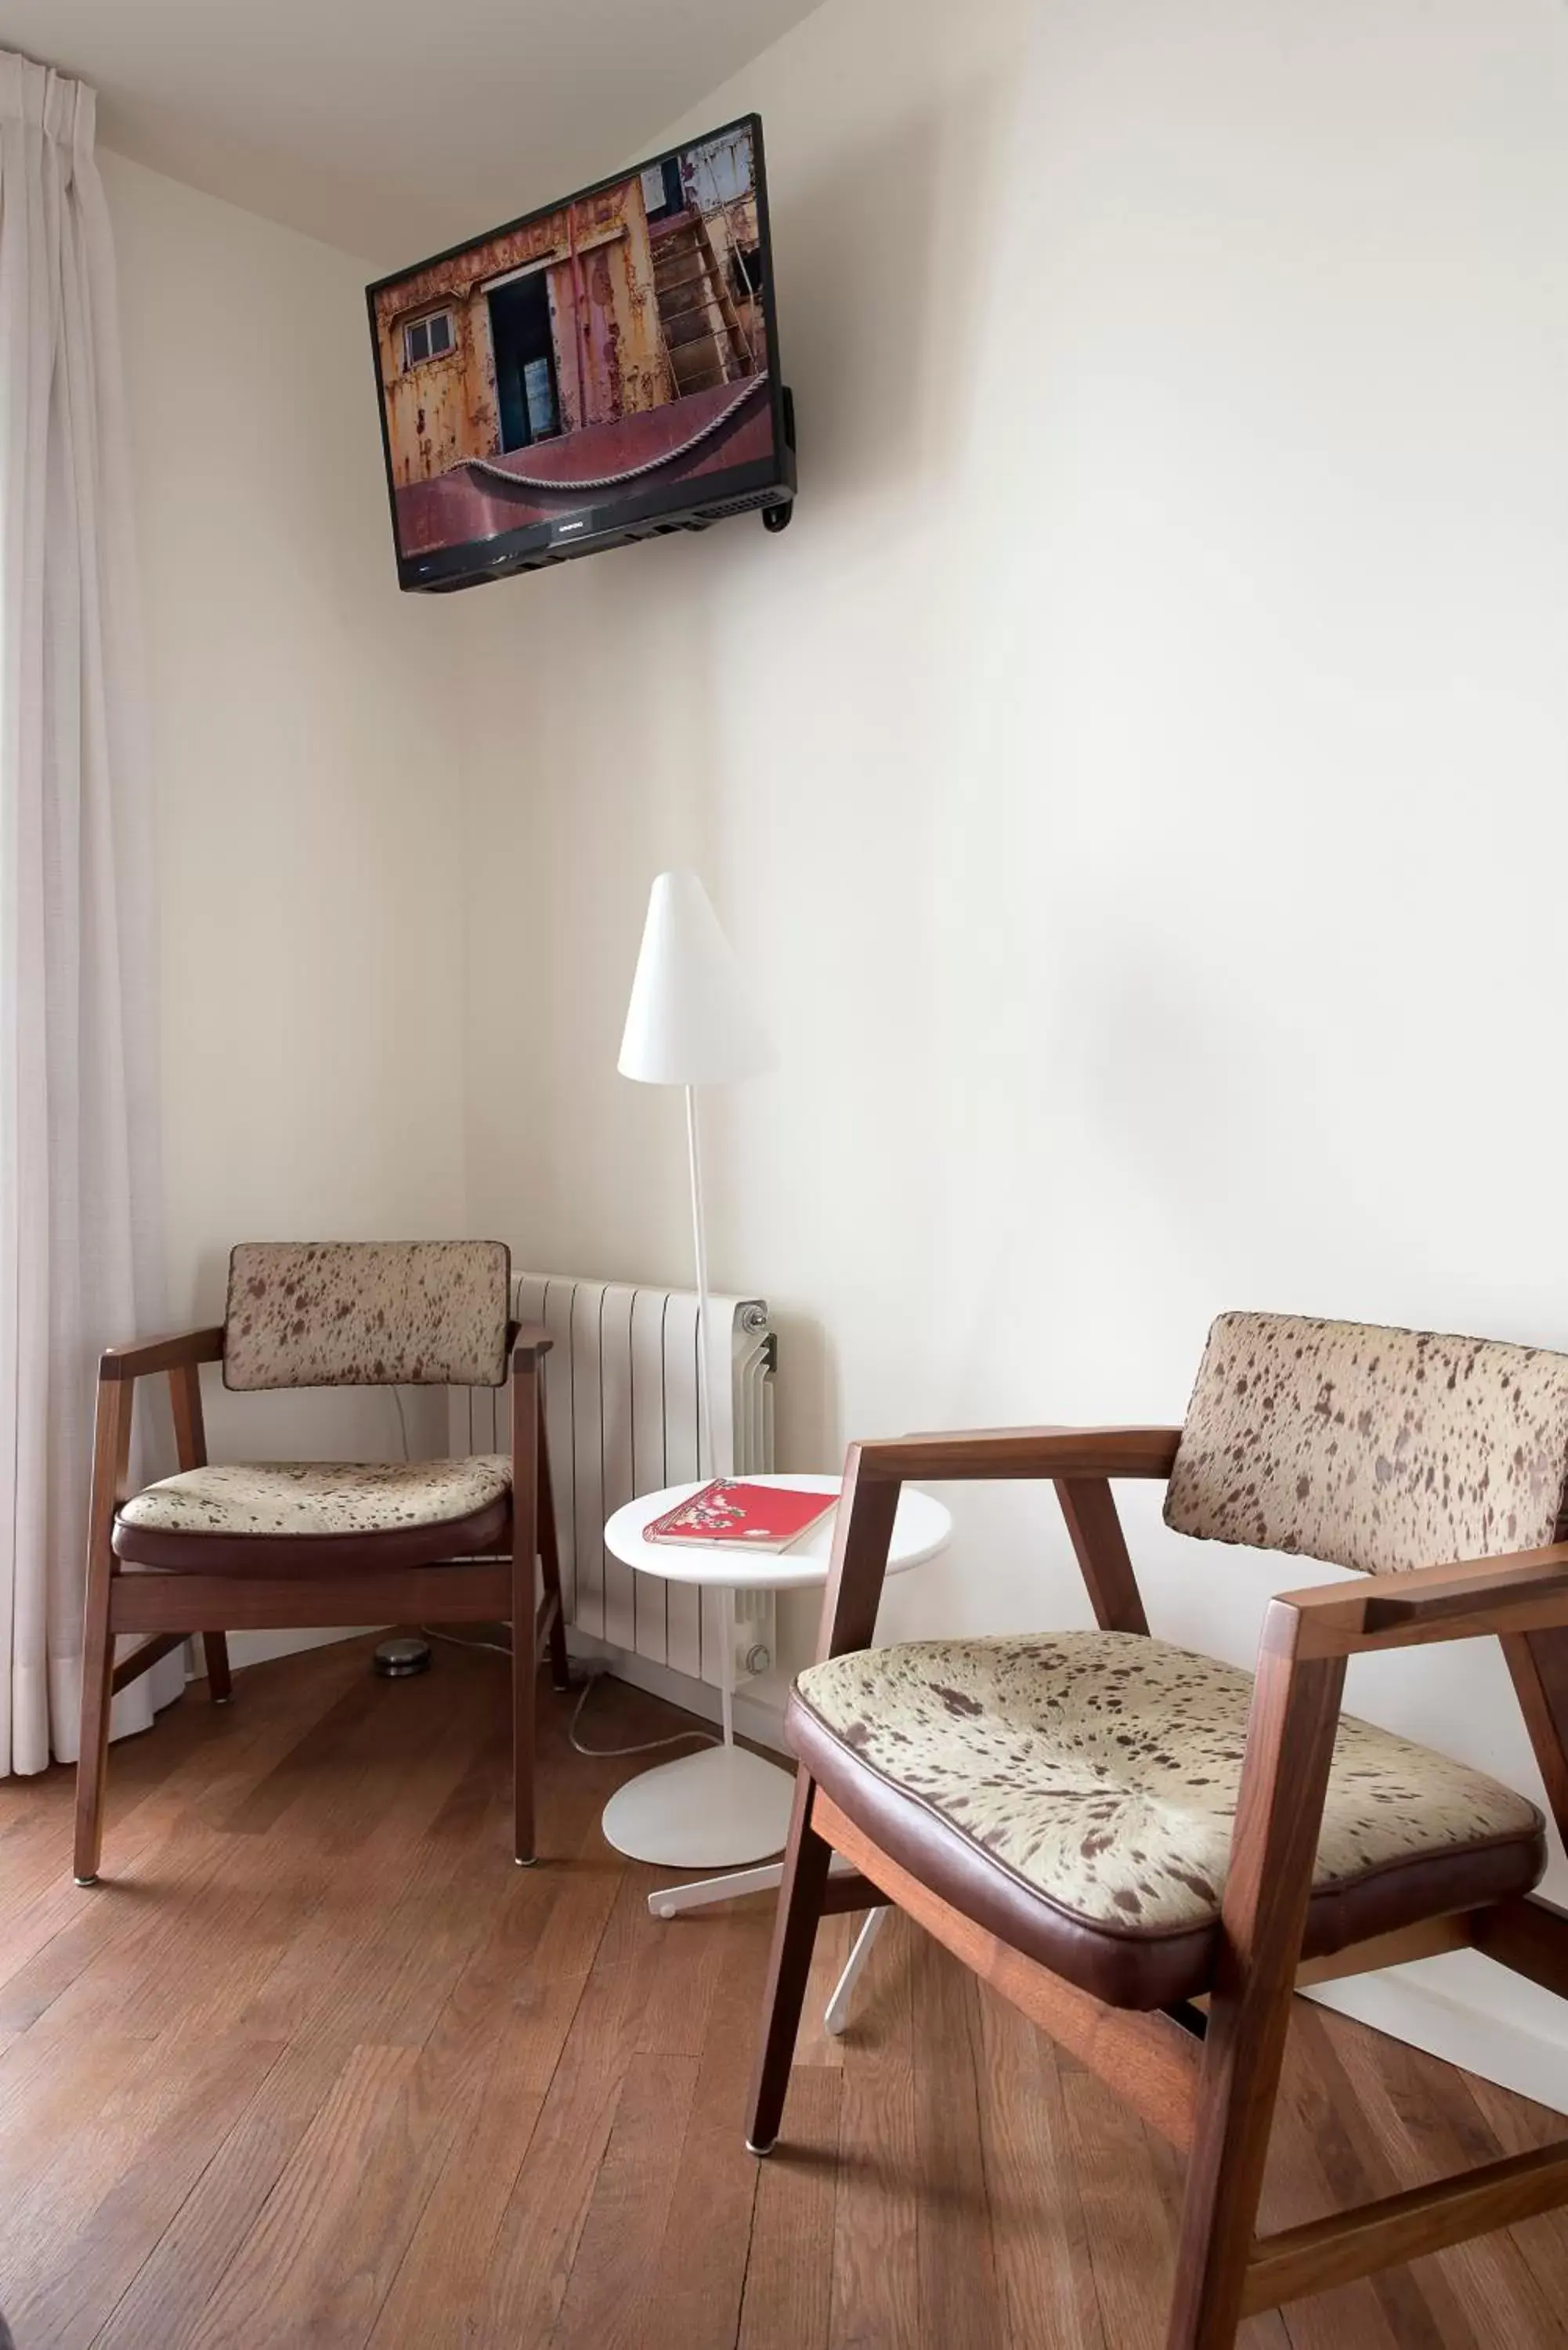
(725, 1805)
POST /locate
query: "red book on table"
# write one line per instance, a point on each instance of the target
(752, 1517)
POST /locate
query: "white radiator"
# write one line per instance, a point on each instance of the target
(621, 1417)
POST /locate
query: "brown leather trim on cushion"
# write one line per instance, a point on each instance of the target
(1131, 1970)
(480, 1536)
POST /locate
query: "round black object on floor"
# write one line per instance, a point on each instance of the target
(396, 1661)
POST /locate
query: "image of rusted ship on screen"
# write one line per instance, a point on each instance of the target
(614, 343)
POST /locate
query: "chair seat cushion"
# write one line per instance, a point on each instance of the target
(319, 1497)
(1076, 1792)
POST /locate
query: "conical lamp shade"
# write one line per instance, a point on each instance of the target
(691, 1020)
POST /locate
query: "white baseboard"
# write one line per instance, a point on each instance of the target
(1471, 2013)
(261, 1648)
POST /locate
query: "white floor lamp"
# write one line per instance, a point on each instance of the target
(690, 1023)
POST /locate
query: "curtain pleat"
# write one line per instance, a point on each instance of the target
(80, 1197)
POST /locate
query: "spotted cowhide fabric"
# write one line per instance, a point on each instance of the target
(319, 1497)
(1101, 1769)
(1373, 1448)
(330, 1313)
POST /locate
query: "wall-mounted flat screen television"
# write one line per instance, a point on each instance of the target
(603, 370)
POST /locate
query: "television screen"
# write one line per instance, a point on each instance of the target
(603, 369)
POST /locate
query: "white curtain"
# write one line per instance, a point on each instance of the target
(80, 1202)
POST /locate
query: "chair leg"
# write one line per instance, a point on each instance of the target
(550, 1562)
(92, 1748)
(1242, 2053)
(1290, 1746)
(220, 1682)
(524, 1674)
(808, 1860)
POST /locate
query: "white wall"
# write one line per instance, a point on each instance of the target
(1137, 778)
(302, 724)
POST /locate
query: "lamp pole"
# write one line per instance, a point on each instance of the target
(700, 1244)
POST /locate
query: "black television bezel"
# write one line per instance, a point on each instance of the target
(592, 526)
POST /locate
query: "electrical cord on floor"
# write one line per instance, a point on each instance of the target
(604, 1754)
(456, 1640)
(647, 1746)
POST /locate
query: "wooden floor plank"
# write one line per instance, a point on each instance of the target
(498, 2041)
(960, 2301)
(694, 2299)
(1267, 2332)
(317, 2065)
(1520, 2127)
(47, 2103)
(787, 2301)
(606, 2306)
(876, 2263)
(167, 2300)
(1038, 2244)
(834, 1940)
(1429, 2127)
(685, 1961)
(163, 1786)
(317, 2265)
(537, 2243)
(135, 1945)
(1308, 2173)
(76, 2237)
(1128, 2226)
(1419, 2304)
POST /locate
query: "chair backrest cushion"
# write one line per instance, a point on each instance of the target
(343, 1314)
(1374, 1449)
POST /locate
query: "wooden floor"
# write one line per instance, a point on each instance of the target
(317, 2065)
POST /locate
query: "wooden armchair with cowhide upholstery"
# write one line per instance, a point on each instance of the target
(1110, 1829)
(277, 1544)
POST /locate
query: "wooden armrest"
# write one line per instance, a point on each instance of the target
(1026, 1452)
(149, 1355)
(1522, 1591)
(528, 1341)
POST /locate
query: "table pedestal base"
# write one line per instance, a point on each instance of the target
(710, 1810)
